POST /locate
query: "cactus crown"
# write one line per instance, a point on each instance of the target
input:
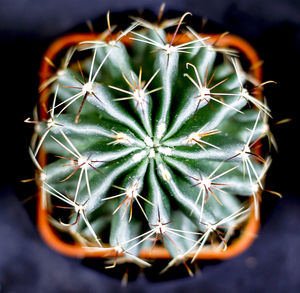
(151, 144)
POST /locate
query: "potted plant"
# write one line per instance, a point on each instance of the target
(148, 144)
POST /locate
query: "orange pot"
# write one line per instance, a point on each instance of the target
(248, 234)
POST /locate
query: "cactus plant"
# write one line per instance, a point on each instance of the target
(152, 144)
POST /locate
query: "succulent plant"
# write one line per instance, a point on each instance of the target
(151, 144)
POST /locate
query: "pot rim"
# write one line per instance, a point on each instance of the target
(251, 228)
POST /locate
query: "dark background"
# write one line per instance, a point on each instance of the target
(27, 27)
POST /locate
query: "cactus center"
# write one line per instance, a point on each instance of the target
(153, 148)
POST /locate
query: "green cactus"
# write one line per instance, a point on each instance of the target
(151, 144)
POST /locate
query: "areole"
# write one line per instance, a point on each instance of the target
(251, 228)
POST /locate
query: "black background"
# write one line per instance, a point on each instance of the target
(27, 27)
